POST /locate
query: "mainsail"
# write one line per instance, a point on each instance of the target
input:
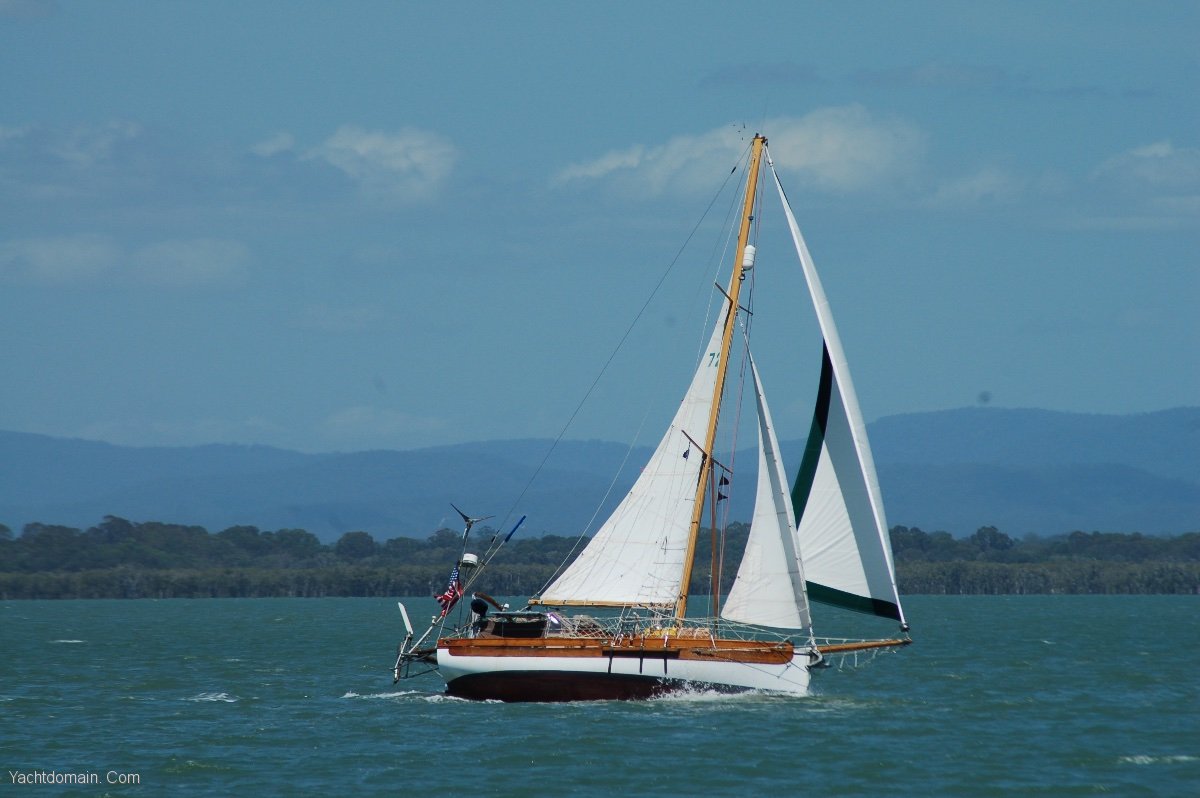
(637, 557)
(769, 587)
(842, 529)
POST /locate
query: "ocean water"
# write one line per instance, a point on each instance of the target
(1031, 695)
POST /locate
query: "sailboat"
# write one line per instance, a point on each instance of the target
(821, 538)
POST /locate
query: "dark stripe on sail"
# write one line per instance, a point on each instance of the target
(816, 438)
(850, 601)
(803, 487)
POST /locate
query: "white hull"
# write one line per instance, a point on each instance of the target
(553, 678)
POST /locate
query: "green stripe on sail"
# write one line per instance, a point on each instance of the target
(802, 488)
(816, 438)
(850, 601)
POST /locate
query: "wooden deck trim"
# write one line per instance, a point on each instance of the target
(656, 648)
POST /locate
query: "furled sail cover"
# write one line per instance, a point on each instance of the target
(842, 529)
(769, 587)
(636, 557)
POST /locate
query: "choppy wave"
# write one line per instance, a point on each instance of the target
(221, 697)
(701, 695)
(709, 695)
(224, 728)
(193, 766)
(394, 694)
(436, 698)
(412, 695)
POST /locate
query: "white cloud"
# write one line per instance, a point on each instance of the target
(409, 165)
(840, 150)
(988, 184)
(88, 145)
(847, 149)
(1156, 186)
(57, 261)
(1159, 165)
(189, 263)
(681, 165)
(46, 164)
(604, 165)
(279, 143)
(82, 261)
(12, 133)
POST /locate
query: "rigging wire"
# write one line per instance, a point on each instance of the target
(616, 350)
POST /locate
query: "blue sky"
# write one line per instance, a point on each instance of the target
(340, 226)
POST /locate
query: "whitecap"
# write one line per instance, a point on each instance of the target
(395, 694)
(1143, 759)
(436, 698)
(68, 641)
(222, 697)
(700, 695)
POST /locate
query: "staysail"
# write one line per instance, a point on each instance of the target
(842, 529)
(637, 557)
(769, 587)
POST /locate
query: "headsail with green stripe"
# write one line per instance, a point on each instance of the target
(842, 528)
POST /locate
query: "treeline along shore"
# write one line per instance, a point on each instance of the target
(118, 558)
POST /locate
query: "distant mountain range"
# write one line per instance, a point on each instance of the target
(1024, 471)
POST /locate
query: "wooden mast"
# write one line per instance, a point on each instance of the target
(722, 366)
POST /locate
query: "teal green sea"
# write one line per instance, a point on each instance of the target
(1031, 695)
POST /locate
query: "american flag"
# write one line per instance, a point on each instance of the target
(453, 592)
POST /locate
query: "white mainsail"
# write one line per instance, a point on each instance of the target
(842, 529)
(769, 587)
(637, 557)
